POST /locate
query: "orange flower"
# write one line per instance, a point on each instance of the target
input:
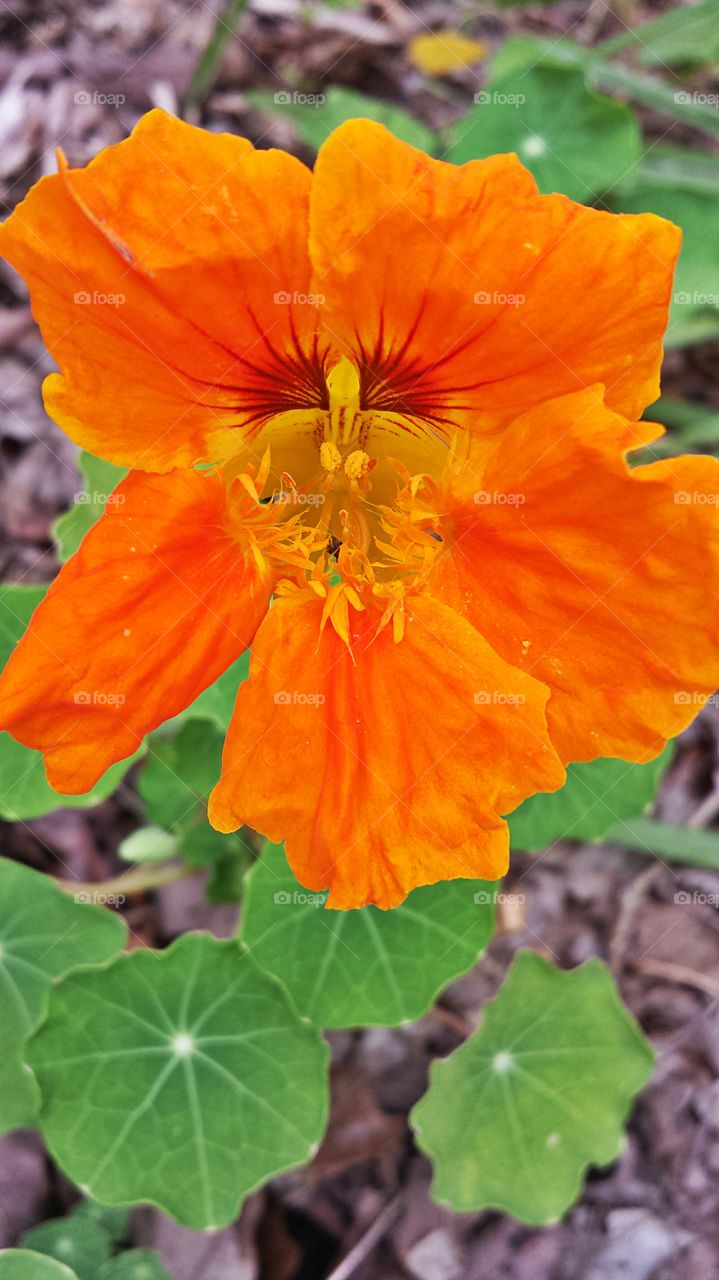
(412, 388)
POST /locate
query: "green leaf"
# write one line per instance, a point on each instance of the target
(594, 797)
(217, 702)
(314, 116)
(135, 1264)
(199, 1082)
(664, 840)
(174, 785)
(515, 1116)
(148, 844)
(367, 967)
(100, 479)
(689, 426)
(667, 99)
(43, 935)
(573, 139)
(179, 774)
(22, 1264)
(681, 37)
(76, 1241)
(24, 790)
(694, 313)
(115, 1221)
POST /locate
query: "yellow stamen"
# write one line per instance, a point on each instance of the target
(330, 457)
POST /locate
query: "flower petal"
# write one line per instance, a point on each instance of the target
(468, 294)
(346, 757)
(598, 579)
(154, 274)
(154, 606)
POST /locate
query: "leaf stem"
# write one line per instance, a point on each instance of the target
(208, 64)
(136, 880)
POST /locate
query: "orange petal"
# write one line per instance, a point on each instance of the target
(154, 274)
(598, 579)
(389, 771)
(154, 606)
(471, 297)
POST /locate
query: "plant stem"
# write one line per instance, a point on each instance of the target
(208, 64)
(136, 880)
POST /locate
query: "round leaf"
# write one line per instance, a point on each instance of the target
(199, 1081)
(135, 1264)
(366, 967)
(572, 139)
(594, 797)
(21, 1264)
(43, 934)
(513, 1118)
(77, 1241)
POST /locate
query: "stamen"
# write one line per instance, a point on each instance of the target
(330, 456)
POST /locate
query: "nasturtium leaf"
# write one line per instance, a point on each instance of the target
(76, 1241)
(174, 785)
(179, 774)
(134, 1264)
(688, 35)
(22, 1264)
(314, 116)
(43, 935)
(594, 797)
(694, 314)
(365, 967)
(573, 140)
(541, 1091)
(24, 790)
(99, 480)
(198, 1080)
(115, 1221)
(217, 702)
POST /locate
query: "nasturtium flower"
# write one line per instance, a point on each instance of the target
(377, 418)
